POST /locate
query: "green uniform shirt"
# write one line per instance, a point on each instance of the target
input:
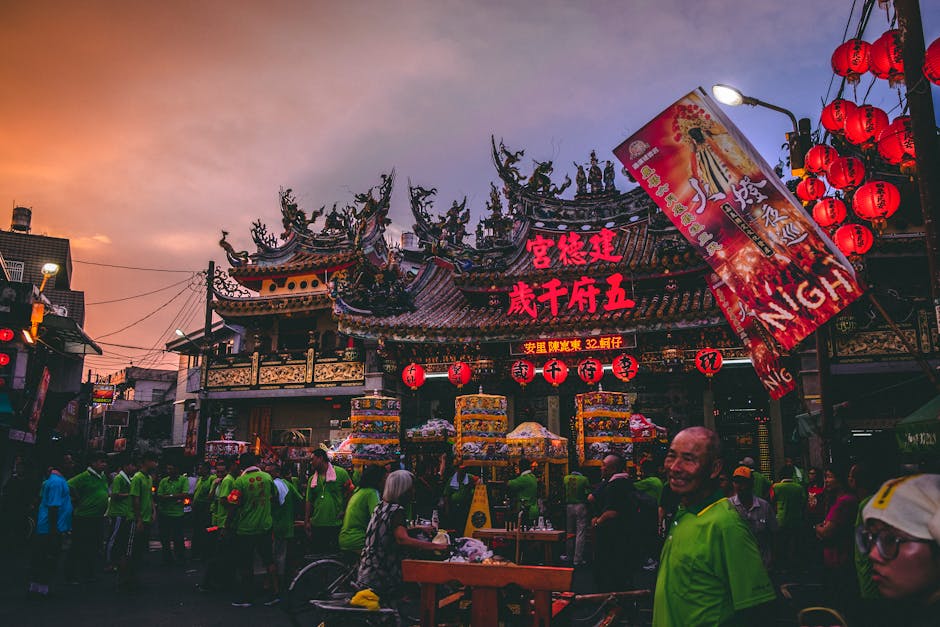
(761, 485)
(525, 488)
(576, 488)
(120, 505)
(790, 498)
(352, 537)
(328, 499)
(172, 508)
(710, 568)
(866, 586)
(91, 492)
(283, 514)
(653, 486)
(202, 493)
(254, 503)
(220, 502)
(142, 487)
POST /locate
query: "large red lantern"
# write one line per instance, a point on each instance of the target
(834, 114)
(591, 370)
(413, 376)
(932, 62)
(829, 212)
(459, 373)
(522, 372)
(852, 59)
(864, 124)
(876, 201)
(625, 367)
(896, 142)
(708, 361)
(810, 189)
(887, 59)
(555, 372)
(819, 157)
(4, 359)
(854, 239)
(846, 173)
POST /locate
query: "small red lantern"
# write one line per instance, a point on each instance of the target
(876, 201)
(522, 372)
(4, 359)
(413, 376)
(852, 59)
(819, 157)
(810, 189)
(829, 212)
(854, 239)
(887, 59)
(459, 374)
(625, 367)
(6, 335)
(708, 361)
(555, 372)
(834, 114)
(591, 370)
(864, 124)
(896, 143)
(846, 173)
(932, 62)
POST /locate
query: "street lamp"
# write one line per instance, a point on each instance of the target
(48, 271)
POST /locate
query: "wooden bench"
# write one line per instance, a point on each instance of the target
(485, 580)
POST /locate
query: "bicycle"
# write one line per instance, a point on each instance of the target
(323, 578)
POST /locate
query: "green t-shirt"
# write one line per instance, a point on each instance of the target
(142, 487)
(328, 499)
(172, 507)
(91, 492)
(653, 486)
(790, 498)
(525, 488)
(866, 586)
(352, 537)
(710, 568)
(220, 503)
(120, 505)
(254, 504)
(202, 493)
(284, 514)
(761, 485)
(576, 488)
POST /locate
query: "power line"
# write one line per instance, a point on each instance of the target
(118, 300)
(152, 313)
(141, 348)
(110, 265)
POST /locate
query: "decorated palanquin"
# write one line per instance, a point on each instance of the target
(481, 422)
(434, 431)
(535, 443)
(604, 427)
(376, 425)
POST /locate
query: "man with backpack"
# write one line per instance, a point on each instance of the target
(616, 542)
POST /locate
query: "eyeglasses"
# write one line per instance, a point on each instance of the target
(888, 544)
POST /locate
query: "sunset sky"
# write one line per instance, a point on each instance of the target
(139, 129)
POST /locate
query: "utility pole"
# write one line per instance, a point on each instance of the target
(203, 432)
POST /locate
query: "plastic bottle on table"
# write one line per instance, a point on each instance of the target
(435, 521)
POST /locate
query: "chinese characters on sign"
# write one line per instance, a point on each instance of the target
(572, 345)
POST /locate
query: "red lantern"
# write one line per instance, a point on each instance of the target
(887, 59)
(834, 114)
(625, 367)
(852, 59)
(810, 189)
(234, 497)
(591, 370)
(555, 372)
(459, 373)
(4, 359)
(846, 173)
(876, 201)
(413, 376)
(854, 239)
(708, 361)
(819, 157)
(932, 62)
(829, 212)
(864, 124)
(522, 372)
(896, 143)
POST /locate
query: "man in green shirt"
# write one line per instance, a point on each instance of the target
(577, 488)
(89, 491)
(219, 567)
(171, 492)
(352, 536)
(251, 496)
(761, 482)
(287, 501)
(120, 514)
(458, 496)
(525, 492)
(790, 500)
(710, 569)
(327, 493)
(202, 499)
(141, 493)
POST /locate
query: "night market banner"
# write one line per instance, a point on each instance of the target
(734, 210)
(764, 354)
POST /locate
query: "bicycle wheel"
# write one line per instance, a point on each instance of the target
(315, 581)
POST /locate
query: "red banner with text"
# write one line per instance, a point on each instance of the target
(728, 202)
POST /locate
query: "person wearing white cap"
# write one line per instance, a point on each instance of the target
(902, 538)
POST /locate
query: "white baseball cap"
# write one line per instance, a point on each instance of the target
(911, 504)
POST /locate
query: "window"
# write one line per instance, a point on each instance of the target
(15, 270)
(157, 395)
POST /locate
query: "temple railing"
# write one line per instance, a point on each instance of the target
(284, 370)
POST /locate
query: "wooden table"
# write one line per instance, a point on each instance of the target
(546, 537)
(486, 580)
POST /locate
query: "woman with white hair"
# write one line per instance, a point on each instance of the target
(386, 536)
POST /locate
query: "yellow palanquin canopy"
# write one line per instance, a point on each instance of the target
(536, 443)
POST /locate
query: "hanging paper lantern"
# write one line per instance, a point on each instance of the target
(864, 124)
(555, 372)
(876, 201)
(591, 370)
(522, 372)
(896, 142)
(887, 59)
(625, 367)
(846, 173)
(413, 376)
(854, 239)
(459, 373)
(932, 62)
(810, 189)
(829, 212)
(819, 157)
(834, 114)
(851, 59)
(708, 361)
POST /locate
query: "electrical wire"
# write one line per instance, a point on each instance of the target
(149, 315)
(186, 310)
(110, 265)
(118, 300)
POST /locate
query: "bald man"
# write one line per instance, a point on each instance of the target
(710, 569)
(614, 559)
